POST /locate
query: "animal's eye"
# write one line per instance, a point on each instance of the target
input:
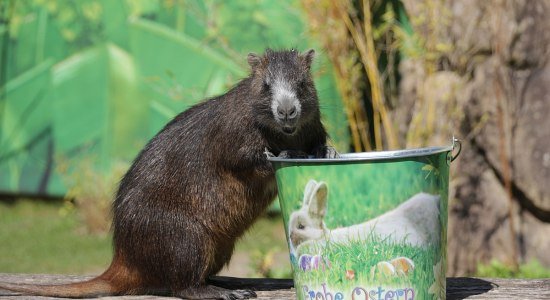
(266, 85)
(301, 226)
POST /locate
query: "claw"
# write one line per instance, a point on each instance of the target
(331, 152)
(292, 154)
(268, 153)
(242, 294)
(214, 292)
(326, 152)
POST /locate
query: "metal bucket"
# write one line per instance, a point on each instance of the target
(367, 225)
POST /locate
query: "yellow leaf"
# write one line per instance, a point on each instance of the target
(443, 47)
(427, 168)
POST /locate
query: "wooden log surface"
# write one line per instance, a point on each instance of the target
(267, 289)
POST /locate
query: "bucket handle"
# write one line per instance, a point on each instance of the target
(457, 145)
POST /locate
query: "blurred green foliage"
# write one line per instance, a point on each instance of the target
(97, 78)
(497, 269)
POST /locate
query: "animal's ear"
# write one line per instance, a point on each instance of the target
(254, 60)
(318, 203)
(308, 191)
(308, 57)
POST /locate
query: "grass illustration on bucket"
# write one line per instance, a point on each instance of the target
(367, 225)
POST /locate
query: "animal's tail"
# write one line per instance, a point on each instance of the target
(116, 280)
(96, 287)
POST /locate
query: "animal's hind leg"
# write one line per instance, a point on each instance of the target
(214, 292)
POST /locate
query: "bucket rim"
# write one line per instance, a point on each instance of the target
(369, 156)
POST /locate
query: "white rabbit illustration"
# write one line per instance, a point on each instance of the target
(415, 221)
(307, 223)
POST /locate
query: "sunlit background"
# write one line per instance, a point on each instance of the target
(85, 84)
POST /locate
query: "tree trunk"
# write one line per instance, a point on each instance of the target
(492, 90)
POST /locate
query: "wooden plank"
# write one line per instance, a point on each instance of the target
(457, 288)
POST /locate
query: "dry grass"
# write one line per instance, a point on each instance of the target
(91, 192)
(364, 49)
(347, 35)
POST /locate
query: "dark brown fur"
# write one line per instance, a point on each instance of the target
(199, 184)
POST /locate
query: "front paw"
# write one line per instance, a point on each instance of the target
(241, 294)
(289, 154)
(326, 152)
(214, 292)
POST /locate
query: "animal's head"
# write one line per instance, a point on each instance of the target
(307, 223)
(283, 86)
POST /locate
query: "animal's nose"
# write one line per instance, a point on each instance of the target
(287, 111)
